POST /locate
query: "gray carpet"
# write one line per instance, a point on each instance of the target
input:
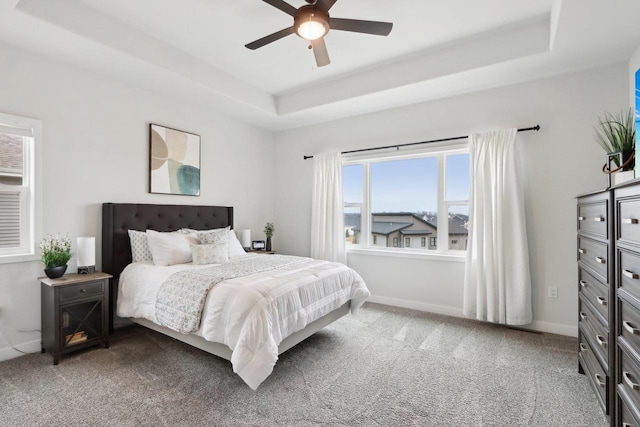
(384, 366)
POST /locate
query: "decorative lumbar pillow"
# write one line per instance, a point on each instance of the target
(235, 248)
(170, 248)
(213, 253)
(139, 246)
(209, 236)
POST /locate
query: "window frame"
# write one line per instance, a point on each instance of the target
(31, 190)
(440, 152)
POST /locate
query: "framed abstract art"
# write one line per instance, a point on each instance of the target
(174, 161)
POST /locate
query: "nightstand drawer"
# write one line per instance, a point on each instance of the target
(81, 290)
(594, 255)
(592, 218)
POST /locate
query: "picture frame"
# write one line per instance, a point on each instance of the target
(258, 245)
(174, 161)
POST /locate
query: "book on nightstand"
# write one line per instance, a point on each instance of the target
(76, 338)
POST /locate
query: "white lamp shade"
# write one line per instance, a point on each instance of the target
(245, 238)
(86, 251)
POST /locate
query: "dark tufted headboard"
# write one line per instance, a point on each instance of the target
(117, 218)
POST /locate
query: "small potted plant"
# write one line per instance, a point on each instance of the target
(56, 253)
(268, 231)
(616, 134)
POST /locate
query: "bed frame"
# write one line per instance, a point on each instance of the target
(118, 218)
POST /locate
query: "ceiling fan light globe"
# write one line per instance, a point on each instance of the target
(311, 29)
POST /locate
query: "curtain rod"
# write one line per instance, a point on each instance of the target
(397, 146)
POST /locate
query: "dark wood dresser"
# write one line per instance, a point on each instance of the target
(609, 299)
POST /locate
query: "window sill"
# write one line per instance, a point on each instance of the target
(390, 253)
(9, 259)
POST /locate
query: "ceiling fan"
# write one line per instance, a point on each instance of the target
(312, 22)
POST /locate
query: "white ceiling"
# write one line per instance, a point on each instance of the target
(195, 49)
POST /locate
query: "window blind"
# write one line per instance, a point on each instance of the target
(10, 218)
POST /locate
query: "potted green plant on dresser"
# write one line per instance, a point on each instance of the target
(616, 134)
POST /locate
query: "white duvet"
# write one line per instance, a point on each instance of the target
(251, 314)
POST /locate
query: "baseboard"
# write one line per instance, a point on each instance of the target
(28, 347)
(538, 326)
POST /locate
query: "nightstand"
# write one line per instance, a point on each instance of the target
(75, 313)
(259, 252)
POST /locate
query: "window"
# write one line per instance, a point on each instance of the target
(19, 143)
(409, 194)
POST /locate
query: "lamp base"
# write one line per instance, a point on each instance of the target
(87, 270)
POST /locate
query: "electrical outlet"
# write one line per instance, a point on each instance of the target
(552, 292)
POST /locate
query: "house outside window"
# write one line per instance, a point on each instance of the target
(402, 196)
(19, 189)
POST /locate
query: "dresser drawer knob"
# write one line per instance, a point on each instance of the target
(583, 283)
(583, 316)
(602, 300)
(583, 347)
(629, 327)
(582, 251)
(83, 290)
(627, 379)
(601, 340)
(599, 381)
(629, 221)
(600, 260)
(599, 219)
(630, 274)
(627, 425)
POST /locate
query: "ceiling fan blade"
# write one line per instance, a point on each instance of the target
(326, 4)
(320, 52)
(283, 6)
(269, 39)
(358, 26)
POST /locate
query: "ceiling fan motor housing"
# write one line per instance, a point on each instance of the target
(311, 14)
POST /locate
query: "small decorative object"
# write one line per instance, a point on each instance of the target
(174, 164)
(86, 255)
(268, 231)
(616, 135)
(258, 245)
(245, 239)
(56, 252)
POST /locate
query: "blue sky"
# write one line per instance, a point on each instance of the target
(407, 185)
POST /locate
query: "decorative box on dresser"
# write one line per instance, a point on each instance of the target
(596, 354)
(627, 315)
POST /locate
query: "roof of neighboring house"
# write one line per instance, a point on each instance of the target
(411, 214)
(415, 232)
(386, 228)
(457, 224)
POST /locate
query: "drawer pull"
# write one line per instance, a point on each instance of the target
(601, 340)
(599, 381)
(583, 283)
(581, 251)
(629, 221)
(583, 347)
(83, 290)
(599, 219)
(630, 274)
(626, 425)
(602, 300)
(583, 316)
(600, 260)
(582, 218)
(627, 379)
(629, 327)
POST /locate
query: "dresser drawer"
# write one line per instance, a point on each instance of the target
(594, 372)
(629, 379)
(593, 218)
(596, 292)
(81, 290)
(626, 417)
(595, 333)
(629, 220)
(629, 272)
(594, 255)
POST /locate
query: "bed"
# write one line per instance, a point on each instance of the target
(312, 277)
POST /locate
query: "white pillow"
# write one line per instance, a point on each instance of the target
(213, 253)
(170, 248)
(139, 247)
(234, 245)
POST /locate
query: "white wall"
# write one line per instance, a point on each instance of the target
(95, 149)
(559, 162)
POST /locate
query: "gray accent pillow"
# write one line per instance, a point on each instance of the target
(139, 246)
(211, 253)
(215, 235)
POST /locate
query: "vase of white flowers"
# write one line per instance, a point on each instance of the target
(268, 231)
(56, 252)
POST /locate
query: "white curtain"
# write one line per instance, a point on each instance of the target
(497, 282)
(327, 215)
